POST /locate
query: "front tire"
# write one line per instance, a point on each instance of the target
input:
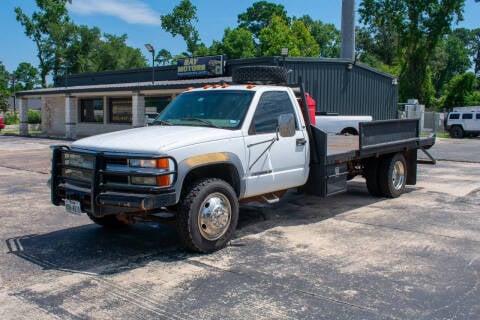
(456, 132)
(393, 175)
(207, 215)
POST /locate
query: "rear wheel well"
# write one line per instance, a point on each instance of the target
(224, 171)
(349, 130)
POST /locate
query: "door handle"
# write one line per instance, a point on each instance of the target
(301, 142)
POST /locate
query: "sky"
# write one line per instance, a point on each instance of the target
(140, 20)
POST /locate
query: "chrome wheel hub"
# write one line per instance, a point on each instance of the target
(398, 175)
(214, 216)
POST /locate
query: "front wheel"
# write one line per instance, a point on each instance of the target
(456, 132)
(207, 215)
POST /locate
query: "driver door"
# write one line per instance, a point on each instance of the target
(274, 162)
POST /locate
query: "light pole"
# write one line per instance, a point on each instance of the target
(151, 49)
(14, 93)
(65, 64)
(284, 54)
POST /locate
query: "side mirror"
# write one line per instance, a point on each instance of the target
(286, 125)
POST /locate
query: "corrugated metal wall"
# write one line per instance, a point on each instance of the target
(336, 89)
(359, 91)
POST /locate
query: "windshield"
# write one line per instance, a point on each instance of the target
(220, 109)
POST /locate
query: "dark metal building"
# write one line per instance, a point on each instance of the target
(338, 85)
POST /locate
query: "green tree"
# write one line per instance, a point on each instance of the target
(26, 77)
(49, 28)
(305, 43)
(164, 57)
(475, 49)
(181, 22)
(451, 59)
(276, 36)
(114, 54)
(258, 16)
(4, 92)
(420, 25)
(382, 19)
(89, 51)
(327, 36)
(237, 44)
(460, 89)
(83, 50)
(296, 38)
(473, 99)
(471, 40)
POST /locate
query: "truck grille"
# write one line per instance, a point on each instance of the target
(94, 173)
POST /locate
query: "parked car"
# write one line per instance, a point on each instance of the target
(2, 125)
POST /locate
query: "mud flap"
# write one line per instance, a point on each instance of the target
(411, 158)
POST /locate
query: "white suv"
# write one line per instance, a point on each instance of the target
(463, 122)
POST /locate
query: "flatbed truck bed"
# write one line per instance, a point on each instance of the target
(334, 158)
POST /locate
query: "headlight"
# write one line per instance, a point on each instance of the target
(148, 181)
(140, 163)
(163, 165)
(77, 174)
(79, 160)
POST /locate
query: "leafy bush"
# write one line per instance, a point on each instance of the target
(473, 99)
(10, 118)
(458, 89)
(34, 117)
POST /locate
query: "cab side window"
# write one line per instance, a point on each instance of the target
(454, 116)
(467, 116)
(271, 105)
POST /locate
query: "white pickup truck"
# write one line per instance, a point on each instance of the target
(217, 146)
(335, 124)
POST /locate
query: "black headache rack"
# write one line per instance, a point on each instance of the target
(329, 172)
(101, 181)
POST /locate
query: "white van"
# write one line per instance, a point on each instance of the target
(464, 121)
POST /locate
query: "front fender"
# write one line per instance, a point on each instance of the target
(209, 160)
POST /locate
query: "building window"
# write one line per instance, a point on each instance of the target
(120, 110)
(91, 110)
(156, 104)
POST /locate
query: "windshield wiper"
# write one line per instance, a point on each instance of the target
(208, 122)
(163, 122)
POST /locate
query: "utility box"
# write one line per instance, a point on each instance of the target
(439, 119)
(414, 110)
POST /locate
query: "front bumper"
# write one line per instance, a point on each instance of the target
(101, 194)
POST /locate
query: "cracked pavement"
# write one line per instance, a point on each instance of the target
(351, 256)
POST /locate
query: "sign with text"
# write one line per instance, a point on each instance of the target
(199, 67)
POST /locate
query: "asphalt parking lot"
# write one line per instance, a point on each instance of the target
(351, 256)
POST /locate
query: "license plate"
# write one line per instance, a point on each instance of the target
(73, 206)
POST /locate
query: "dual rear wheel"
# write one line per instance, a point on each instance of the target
(386, 176)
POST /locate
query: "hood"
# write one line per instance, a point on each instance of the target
(153, 139)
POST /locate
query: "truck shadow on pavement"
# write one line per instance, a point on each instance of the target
(93, 249)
